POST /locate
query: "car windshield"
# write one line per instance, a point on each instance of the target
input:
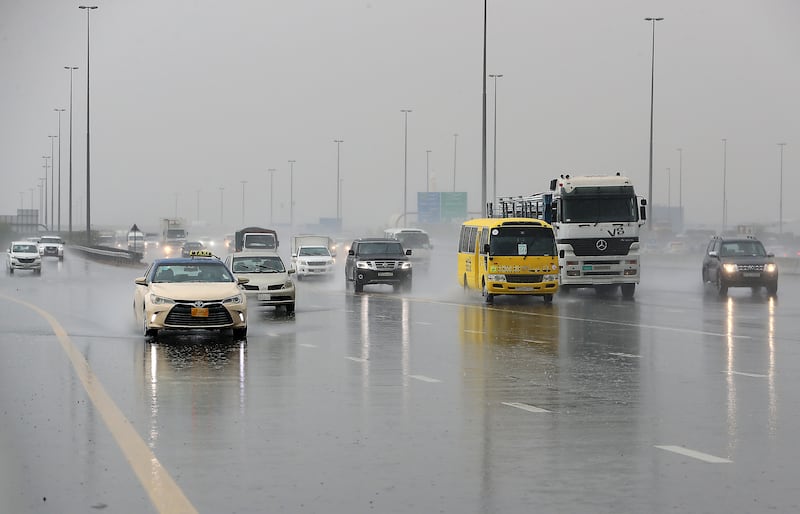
(380, 248)
(26, 248)
(598, 209)
(57, 240)
(743, 249)
(515, 241)
(192, 272)
(314, 251)
(258, 264)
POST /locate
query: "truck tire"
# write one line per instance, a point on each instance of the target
(628, 290)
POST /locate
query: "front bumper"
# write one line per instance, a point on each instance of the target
(593, 271)
(750, 279)
(306, 270)
(266, 297)
(33, 265)
(522, 285)
(369, 276)
(52, 251)
(181, 316)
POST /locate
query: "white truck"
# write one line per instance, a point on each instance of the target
(313, 256)
(173, 235)
(596, 220)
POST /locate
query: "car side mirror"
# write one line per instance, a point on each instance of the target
(408, 252)
(242, 280)
(141, 281)
(713, 253)
(486, 248)
(294, 256)
(291, 270)
(350, 252)
(771, 255)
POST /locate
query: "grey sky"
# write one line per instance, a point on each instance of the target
(190, 95)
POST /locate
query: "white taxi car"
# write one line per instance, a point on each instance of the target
(24, 255)
(268, 282)
(197, 292)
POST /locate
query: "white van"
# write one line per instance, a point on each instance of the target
(416, 240)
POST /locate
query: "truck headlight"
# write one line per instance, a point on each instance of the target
(730, 268)
(496, 278)
(549, 278)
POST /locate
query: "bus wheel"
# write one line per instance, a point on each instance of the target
(548, 298)
(465, 282)
(628, 290)
(489, 296)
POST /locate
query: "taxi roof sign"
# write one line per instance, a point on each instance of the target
(200, 253)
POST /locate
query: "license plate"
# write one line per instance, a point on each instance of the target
(199, 312)
(524, 288)
(264, 296)
(751, 274)
(385, 274)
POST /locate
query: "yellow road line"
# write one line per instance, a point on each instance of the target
(165, 494)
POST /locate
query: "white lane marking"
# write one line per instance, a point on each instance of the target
(705, 457)
(423, 378)
(525, 406)
(632, 356)
(273, 334)
(754, 375)
(534, 341)
(356, 359)
(422, 323)
(308, 345)
(474, 332)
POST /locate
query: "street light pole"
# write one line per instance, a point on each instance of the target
(652, 90)
(483, 117)
(291, 195)
(41, 187)
(271, 196)
(780, 202)
(44, 205)
(197, 217)
(71, 69)
(59, 111)
(494, 144)
(724, 184)
(338, 182)
(405, 165)
(455, 154)
(52, 184)
(680, 180)
(427, 171)
(669, 195)
(243, 183)
(221, 189)
(88, 9)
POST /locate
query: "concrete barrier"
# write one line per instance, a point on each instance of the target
(107, 254)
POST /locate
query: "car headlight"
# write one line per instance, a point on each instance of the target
(405, 265)
(234, 300)
(730, 268)
(362, 264)
(771, 267)
(331, 262)
(549, 278)
(496, 278)
(160, 300)
(288, 284)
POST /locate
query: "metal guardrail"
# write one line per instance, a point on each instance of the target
(108, 254)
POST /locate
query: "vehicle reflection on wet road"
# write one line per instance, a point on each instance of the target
(424, 402)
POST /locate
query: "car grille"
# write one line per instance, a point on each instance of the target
(274, 287)
(181, 315)
(750, 267)
(317, 263)
(523, 279)
(25, 261)
(386, 265)
(250, 287)
(589, 247)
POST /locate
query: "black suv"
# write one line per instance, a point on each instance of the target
(739, 262)
(377, 261)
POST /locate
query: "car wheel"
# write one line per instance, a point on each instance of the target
(289, 308)
(705, 275)
(628, 290)
(38, 271)
(240, 332)
(357, 286)
(406, 286)
(11, 270)
(464, 283)
(548, 298)
(722, 287)
(772, 289)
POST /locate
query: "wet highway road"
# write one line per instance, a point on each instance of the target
(677, 401)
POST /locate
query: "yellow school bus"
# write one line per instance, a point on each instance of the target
(514, 256)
